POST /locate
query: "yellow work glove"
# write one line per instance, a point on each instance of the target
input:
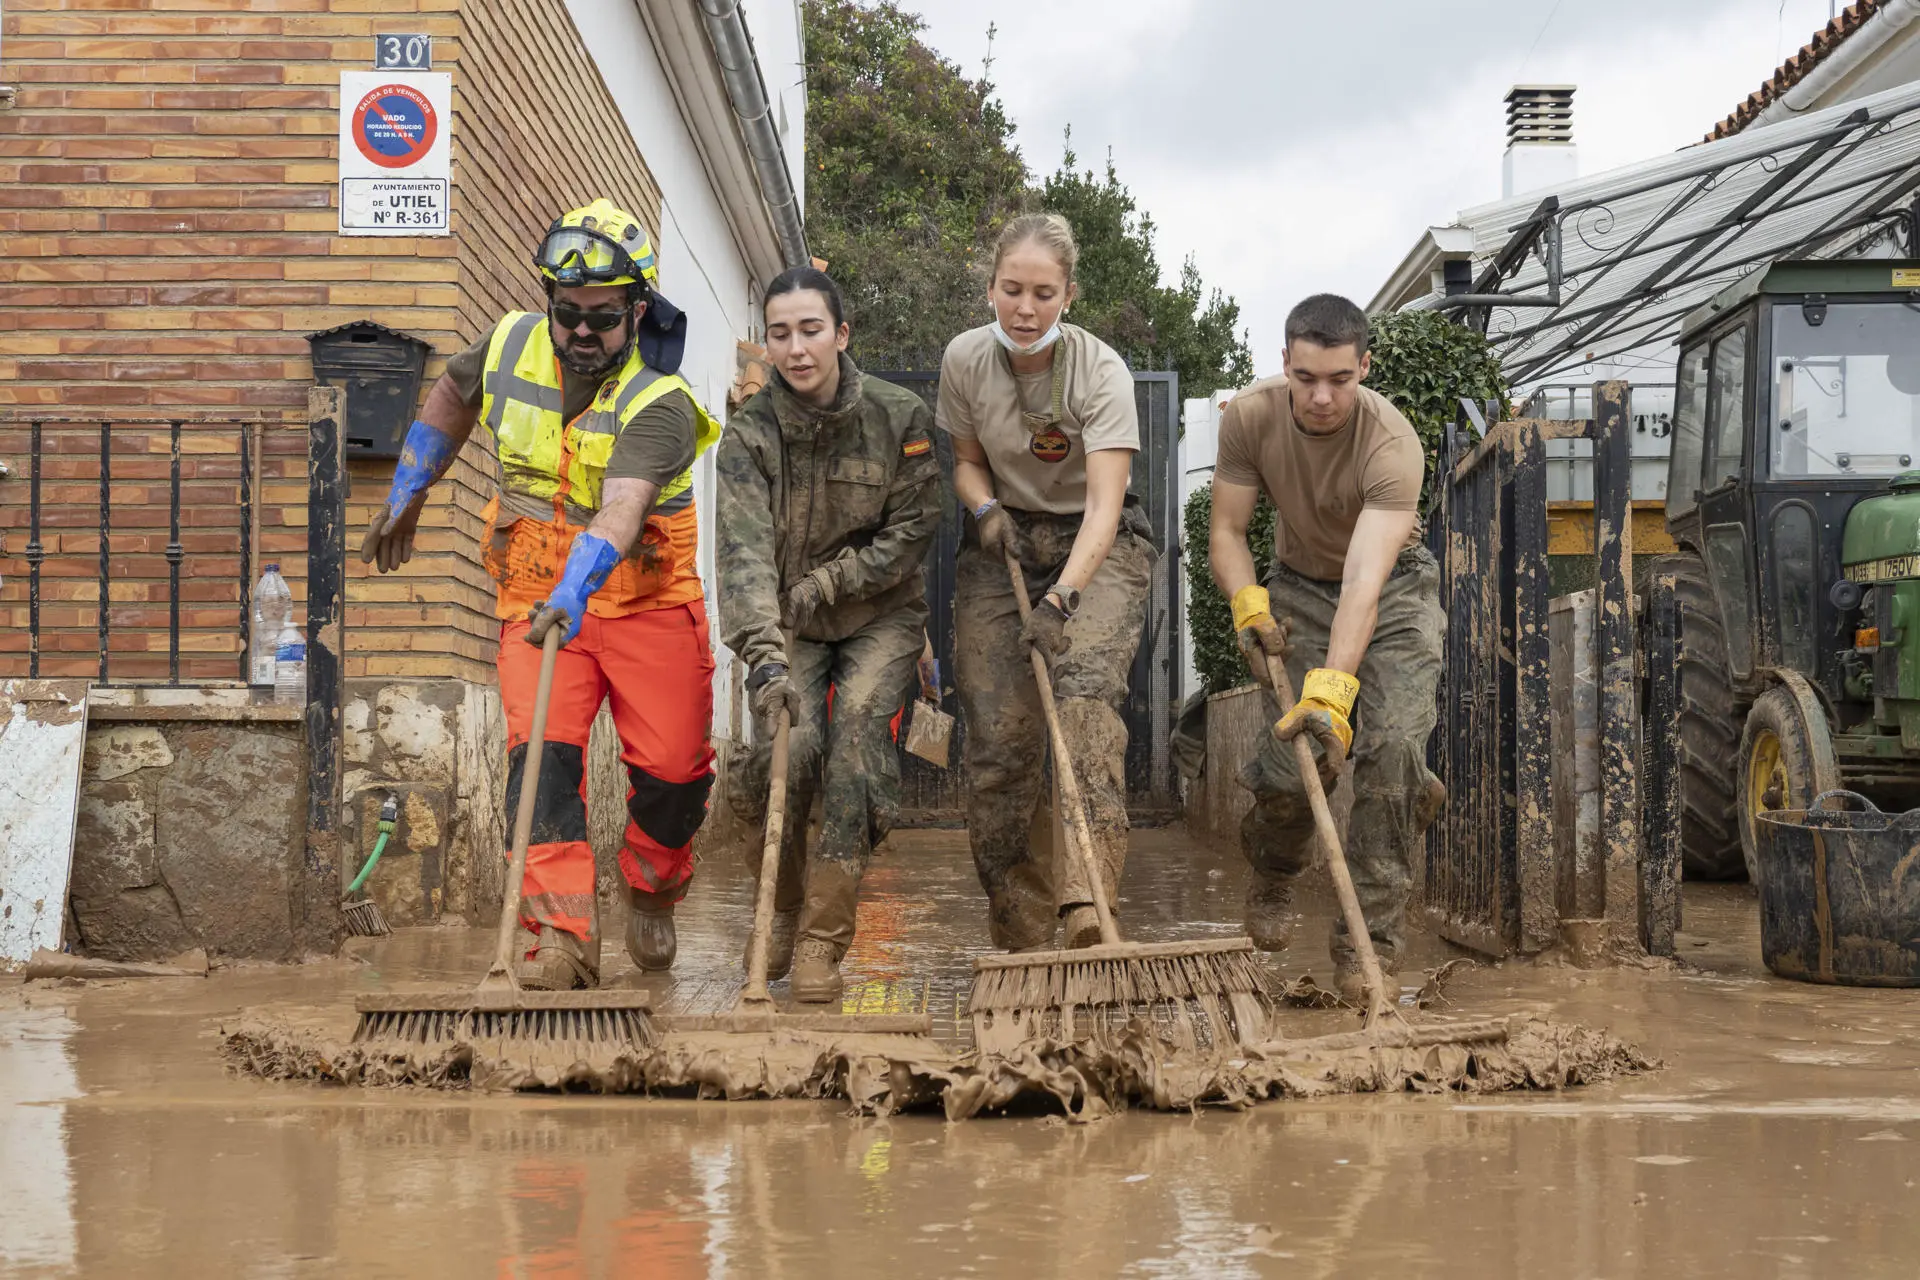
(1326, 703)
(1262, 640)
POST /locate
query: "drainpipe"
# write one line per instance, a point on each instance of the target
(747, 94)
(1886, 24)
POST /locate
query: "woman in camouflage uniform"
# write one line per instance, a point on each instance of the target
(829, 500)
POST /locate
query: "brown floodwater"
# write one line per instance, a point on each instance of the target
(1775, 1142)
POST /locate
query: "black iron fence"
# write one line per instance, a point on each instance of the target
(128, 547)
(1491, 877)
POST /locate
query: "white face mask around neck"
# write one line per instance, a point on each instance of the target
(1047, 339)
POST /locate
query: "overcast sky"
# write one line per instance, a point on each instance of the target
(1296, 146)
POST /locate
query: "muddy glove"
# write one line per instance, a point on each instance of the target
(424, 455)
(1259, 634)
(589, 563)
(928, 669)
(1046, 629)
(768, 691)
(996, 527)
(1326, 702)
(821, 587)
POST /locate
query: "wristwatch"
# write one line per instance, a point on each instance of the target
(1066, 599)
(764, 672)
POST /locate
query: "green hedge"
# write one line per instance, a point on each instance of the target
(1424, 363)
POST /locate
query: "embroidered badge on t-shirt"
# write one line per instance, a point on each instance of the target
(1051, 445)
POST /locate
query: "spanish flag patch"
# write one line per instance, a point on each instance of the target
(914, 448)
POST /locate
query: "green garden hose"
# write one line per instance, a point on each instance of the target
(389, 813)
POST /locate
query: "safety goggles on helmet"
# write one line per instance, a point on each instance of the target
(574, 256)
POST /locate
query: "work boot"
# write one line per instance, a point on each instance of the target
(558, 963)
(816, 972)
(650, 938)
(1351, 986)
(779, 945)
(1083, 926)
(1269, 911)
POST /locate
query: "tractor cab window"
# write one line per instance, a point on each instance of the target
(1689, 431)
(1727, 407)
(1846, 388)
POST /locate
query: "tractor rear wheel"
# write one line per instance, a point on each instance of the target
(1786, 760)
(1710, 723)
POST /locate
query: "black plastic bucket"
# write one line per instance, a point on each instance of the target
(1840, 893)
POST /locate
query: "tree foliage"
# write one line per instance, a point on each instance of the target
(1156, 326)
(1424, 363)
(912, 174)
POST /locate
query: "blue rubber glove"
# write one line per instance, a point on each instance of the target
(589, 564)
(424, 455)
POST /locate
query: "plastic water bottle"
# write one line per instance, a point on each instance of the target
(290, 667)
(272, 613)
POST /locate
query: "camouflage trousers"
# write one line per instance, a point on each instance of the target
(1394, 716)
(840, 749)
(1006, 733)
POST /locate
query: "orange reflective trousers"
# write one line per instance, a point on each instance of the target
(655, 670)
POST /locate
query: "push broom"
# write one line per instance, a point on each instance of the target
(755, 1014)
(504, 1024)
(1196, 994)
(1382, 1023)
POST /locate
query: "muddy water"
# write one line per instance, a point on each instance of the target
(1778, 1141)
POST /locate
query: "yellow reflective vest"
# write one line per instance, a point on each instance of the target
(540, 451)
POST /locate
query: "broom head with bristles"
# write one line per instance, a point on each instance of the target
(1195, 995)
(364, 919)
(507, 1024)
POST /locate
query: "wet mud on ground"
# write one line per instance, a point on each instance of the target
(1775, 1142)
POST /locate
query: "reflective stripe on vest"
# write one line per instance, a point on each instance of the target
(521, 403)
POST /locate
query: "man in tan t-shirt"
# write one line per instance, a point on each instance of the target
(1359, 596)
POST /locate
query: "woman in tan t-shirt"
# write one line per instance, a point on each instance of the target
(1044, 432)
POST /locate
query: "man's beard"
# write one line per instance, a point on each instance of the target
(594, 361)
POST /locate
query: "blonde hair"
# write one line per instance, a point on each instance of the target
(1053, 232)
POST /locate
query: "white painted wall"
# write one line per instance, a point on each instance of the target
(702, 269)
(775, 28)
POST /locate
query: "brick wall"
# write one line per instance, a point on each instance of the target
(167, 241)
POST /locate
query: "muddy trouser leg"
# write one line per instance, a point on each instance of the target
(860, 790)
(1005, 750)
(809, 672)
(1277, 833)
(1399, 678)
(1090, 685)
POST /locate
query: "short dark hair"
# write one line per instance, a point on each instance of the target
(799, 279)
(1328, 320)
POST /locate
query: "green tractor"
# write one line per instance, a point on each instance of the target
(1793, 493)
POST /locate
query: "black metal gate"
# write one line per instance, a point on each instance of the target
(932, 796)
(1491, 879)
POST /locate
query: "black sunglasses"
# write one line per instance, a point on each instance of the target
(569, 316)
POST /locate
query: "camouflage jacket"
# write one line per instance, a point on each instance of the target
(856, 486)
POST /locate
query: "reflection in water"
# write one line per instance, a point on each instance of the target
(1792, 1107)
(36, 1189)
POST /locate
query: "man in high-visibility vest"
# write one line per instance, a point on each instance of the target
(591, 529)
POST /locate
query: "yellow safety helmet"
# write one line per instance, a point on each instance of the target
(599, 244)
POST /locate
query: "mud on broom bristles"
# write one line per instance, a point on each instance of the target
(1192, 999)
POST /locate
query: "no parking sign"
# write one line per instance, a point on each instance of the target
(394, 153)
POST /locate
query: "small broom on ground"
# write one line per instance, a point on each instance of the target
(1196, 994)
(505, 1027)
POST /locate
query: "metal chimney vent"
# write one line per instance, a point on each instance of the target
(1540, 113)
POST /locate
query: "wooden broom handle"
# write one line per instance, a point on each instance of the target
(1081, 837)
(523, 817)
(756, 991)
(1336, 857)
